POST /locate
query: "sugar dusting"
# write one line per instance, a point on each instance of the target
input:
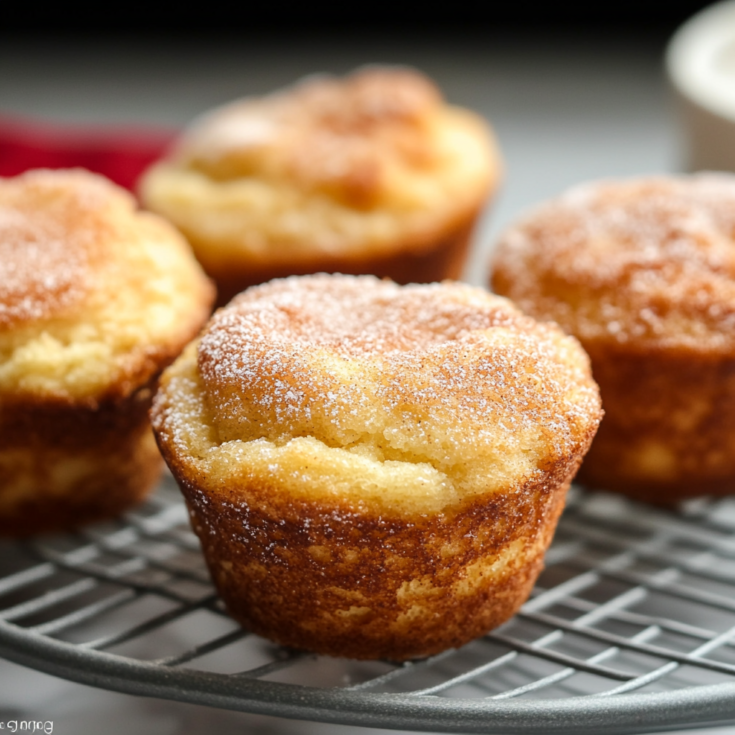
(334, 134)
(435, 372)
(49, 235)
(646, 259)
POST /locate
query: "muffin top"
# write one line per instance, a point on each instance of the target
(648, 263)
(416, 397)
(342, 137)
(370, 157)
(94, 295)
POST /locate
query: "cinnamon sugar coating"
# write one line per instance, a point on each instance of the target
(95, 299)
(375, 470)
(342, 137)
(371, 173)
(642, 272)
(49, 241)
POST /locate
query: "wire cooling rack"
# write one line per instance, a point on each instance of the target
(631, 627)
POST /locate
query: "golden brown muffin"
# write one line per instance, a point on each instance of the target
(95, 299)
(373, 470)
(372, 173)
(642, 272)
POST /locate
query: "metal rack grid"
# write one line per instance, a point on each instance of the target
(631, 627)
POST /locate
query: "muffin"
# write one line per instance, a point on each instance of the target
(375, 471)
(372, 173)
(642, 272)
(96, 299)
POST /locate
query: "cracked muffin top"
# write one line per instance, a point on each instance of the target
(413, 398)
(648, 263)
(94, 295)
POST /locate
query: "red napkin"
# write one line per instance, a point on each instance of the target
(120, 153)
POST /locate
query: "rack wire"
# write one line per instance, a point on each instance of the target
(631, 627)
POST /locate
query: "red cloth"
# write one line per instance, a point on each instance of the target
(121, 154)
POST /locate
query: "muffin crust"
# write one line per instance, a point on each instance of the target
(375, 471)
(65, 465)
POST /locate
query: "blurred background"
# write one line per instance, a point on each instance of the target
(573, 93)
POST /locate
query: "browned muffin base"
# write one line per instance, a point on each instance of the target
(63, 466)
(346, 583)
(427, 262)
(669, 426)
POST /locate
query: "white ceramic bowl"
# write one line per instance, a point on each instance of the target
(700, 62)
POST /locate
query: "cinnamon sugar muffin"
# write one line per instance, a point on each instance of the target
(642, 272)
(372, 173)
(374, 470)
(95, 299)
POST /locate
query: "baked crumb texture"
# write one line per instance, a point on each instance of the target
(642, 272)
(375, 471)
(372, 173)
(95, 299)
